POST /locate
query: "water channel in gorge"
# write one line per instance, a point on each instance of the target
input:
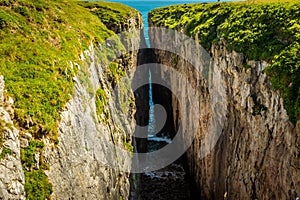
(171, 182)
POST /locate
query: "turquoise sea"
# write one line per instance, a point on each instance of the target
(145, 6)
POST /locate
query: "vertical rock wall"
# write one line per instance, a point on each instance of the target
(257, 153)
(12, 178)
(89, 160)
(85, 164)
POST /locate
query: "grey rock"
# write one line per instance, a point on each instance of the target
(87, 163)
(253, 154)
(24, 143)
(12, 178)
(27, 136)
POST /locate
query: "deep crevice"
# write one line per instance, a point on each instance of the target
(160, 184)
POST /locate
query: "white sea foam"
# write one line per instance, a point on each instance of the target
(159, 139)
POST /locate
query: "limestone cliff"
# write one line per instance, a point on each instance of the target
(75, 112)
(257, 153)
(85, 163)
(12, 176)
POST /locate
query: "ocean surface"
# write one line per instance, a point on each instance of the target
(145, 6)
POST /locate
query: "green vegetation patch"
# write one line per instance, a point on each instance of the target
(2, 129)
(129, 147)
(1, 139)
(5, 151)
(37, 185)
(27, 154)
(266, 30)
(116, 71)
(38, 39)
(117, 76)
(101, 103)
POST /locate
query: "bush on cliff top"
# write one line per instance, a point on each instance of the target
(262, 31)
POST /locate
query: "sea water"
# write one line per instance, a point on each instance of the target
(144, 7)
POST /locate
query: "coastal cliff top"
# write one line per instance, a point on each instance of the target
(263, 30)
(40, 45)
(38, 39)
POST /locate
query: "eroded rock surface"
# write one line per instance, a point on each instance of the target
(251, 149)
(12, 178)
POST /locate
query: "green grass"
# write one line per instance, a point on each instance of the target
(5, 152)
(269, 1)
(27, 154)
(36, 50)
(38, 39)
(101, 103)
(37, 185)
(264, 30)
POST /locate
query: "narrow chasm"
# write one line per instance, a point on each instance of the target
(172, 181)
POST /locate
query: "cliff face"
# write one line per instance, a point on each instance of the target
(89, 157)
(12, 176)
(85, 163)
(256, 154)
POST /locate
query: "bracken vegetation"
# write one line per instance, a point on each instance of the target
(264, 30)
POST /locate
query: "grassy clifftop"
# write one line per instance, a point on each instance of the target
(38, 40)
(266, 30)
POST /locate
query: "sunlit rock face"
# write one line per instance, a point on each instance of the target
(245, 147)
(85, 164)
(12, 178)
(79, 145)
